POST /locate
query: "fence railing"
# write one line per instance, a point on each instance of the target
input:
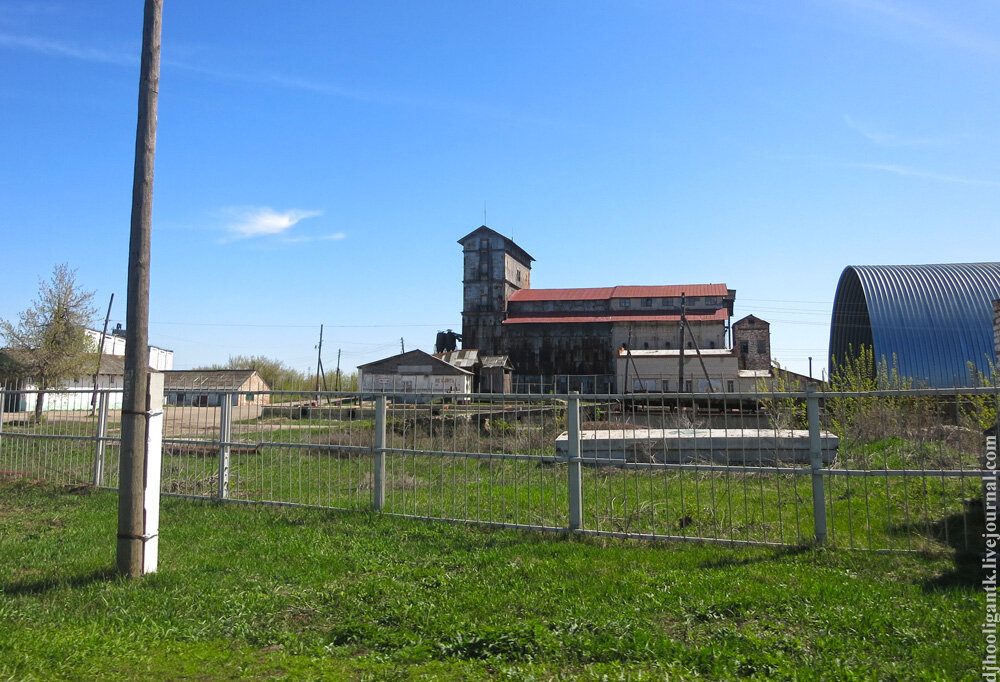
(887, 470)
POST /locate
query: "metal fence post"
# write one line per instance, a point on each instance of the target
(575, 483)
(378, 484)
(816, 462)
(99, 443)
(225, 436)
(3, 400)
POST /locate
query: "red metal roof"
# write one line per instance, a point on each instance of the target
(571, 318)
(599, 294)
(670, 291)
(604, 293)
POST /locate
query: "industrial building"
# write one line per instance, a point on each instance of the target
(932, 323)
(585, 333)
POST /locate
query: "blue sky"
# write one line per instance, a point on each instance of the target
(317, 161)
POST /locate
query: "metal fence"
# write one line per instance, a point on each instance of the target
(890, 470)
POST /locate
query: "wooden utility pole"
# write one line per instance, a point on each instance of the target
(338, 369)
(680, 358)
(319, 365)
(100, 355)
(135, 411)
(402, 348)
(697, 350)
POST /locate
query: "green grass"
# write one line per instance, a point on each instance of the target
(265, 592)
(929, 514)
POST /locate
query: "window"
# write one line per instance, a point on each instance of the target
(666, 385)
(762, 346)
(711, 344)
(647, 303)
(518, 275)
(687, 386)
(484, 243)
(624, 303)
(730, 387)
(645, 345)
(744, 347)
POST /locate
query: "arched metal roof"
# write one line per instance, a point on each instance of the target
(933, 319)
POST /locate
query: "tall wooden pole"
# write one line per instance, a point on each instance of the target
(680, 358)
(100, 356)
(135, 413)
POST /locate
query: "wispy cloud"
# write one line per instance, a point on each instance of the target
(261, 221)
(885, 139)
(335, 237)
(59, 48)
(916, 21)
(927, 175)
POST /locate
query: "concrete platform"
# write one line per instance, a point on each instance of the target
(721, 446)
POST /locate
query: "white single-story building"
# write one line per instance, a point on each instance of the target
(413, 372)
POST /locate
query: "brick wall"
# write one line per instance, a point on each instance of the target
(752, 342)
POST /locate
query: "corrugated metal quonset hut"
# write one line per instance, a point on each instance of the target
(932, 319)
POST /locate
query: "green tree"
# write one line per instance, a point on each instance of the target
(48, 342)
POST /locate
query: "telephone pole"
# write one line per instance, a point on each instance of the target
(132, 555)
(680, 358)
(100, 355)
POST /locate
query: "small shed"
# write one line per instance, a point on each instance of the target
(495, 374)
(413, 372)
(205, 388)
(466, 358)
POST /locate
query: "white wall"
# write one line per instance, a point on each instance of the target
(417, 383)
(160, 359)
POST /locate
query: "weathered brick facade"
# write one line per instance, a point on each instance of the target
(494, 268)
(752, 341)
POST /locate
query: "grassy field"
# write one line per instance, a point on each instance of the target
(264, 592)
(298, 461)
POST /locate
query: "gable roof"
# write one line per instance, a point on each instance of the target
(751, 319)
(494, 361)
(466, 358)
(607, 293)
(483, 231)
(412, 362)
(212, 379)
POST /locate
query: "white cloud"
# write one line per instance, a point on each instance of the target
(882, 138)
(336, 236)
(63, 49)
(917, 173)
(261, 221)
(933, 27)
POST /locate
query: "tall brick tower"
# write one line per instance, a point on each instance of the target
(494, 268)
